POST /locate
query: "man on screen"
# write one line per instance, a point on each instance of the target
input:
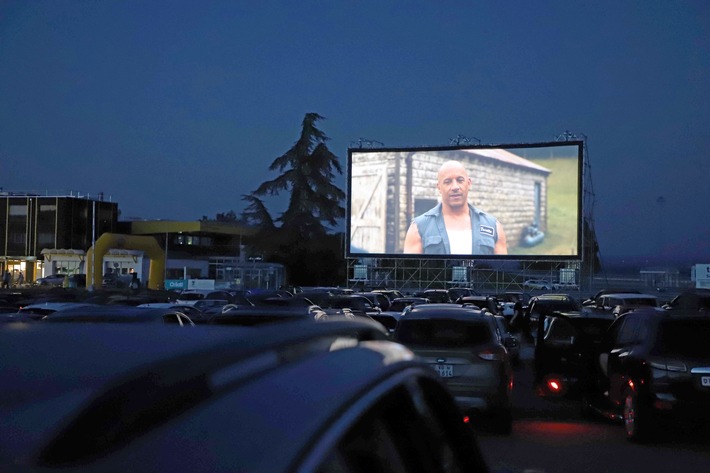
(455, 227)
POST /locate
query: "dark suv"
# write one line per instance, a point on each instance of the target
(465, 346)
(654, 365)
(694, 299)
(565, 351)
(314, 397)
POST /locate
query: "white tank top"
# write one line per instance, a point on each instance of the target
(460, 241)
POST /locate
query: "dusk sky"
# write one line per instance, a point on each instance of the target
(175, 109)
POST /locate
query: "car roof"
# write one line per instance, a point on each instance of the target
(584, 314)
(54, 306)
(552, 297)
(629, 295)
(445, 311)
(58, 404)
(110, 313)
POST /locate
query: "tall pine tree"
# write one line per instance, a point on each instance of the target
(299, 237)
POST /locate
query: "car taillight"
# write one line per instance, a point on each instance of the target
(492, 354)
(552, 385)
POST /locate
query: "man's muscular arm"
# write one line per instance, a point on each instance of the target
(413, 241)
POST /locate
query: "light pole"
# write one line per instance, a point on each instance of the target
(661, 201)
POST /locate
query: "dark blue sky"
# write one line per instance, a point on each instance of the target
(176, 108)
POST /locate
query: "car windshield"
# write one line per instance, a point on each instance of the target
(399, 306)
(547, 307)
(443, 333)
(687, 338)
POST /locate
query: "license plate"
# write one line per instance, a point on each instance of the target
(705, 381)
(445, 371)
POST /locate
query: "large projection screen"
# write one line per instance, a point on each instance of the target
(516, 202)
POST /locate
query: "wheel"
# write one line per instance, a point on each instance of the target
(637, 417)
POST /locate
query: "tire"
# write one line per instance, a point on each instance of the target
(638, 421)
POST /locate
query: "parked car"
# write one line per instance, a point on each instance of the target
(489, 303)
(566, 285)
(464, 346)
(547, 304)
(654, 368)
(593, 300)
(119, 314)
(358, 305)
(696, 299)
(567, 343)
(539, 284)
(401, 303)
(436, 295)
(390, 293)
(620, 303)
(514, 296)
(456, 292)
(377, 299)
(56, 280)
(506, 309)
(257, 316)
(40, 310)
(195, 314)
(98, 398)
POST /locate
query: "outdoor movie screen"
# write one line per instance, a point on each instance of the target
(499, 202)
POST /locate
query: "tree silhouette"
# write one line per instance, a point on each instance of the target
(307, 171)
(299, 238)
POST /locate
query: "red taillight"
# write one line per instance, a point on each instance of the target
(554, 385)
(466, 419)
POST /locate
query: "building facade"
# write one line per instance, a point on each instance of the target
(49, 234)
(42, 235)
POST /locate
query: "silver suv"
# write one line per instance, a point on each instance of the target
(464, 346)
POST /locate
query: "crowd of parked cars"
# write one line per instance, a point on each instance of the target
(445, 356)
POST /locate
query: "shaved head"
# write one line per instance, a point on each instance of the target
(453, 184)
(452, 166)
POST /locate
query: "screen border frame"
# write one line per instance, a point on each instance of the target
(508, 146)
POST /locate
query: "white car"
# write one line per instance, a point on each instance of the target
(507, 309)
(540, 284)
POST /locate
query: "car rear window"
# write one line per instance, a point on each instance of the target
(685, 337)
(443, 333)
(641, 301)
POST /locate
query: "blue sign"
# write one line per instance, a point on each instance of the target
(172, 284)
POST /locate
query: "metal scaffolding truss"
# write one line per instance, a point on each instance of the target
(414, 275)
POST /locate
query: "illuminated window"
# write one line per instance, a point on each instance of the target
(18, 210)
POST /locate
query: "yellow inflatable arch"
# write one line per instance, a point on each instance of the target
(148, 244)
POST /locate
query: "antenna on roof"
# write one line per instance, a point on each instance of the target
(365, 143)
(464, 140)
(571, 136)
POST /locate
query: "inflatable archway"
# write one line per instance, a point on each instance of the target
(148, 244)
